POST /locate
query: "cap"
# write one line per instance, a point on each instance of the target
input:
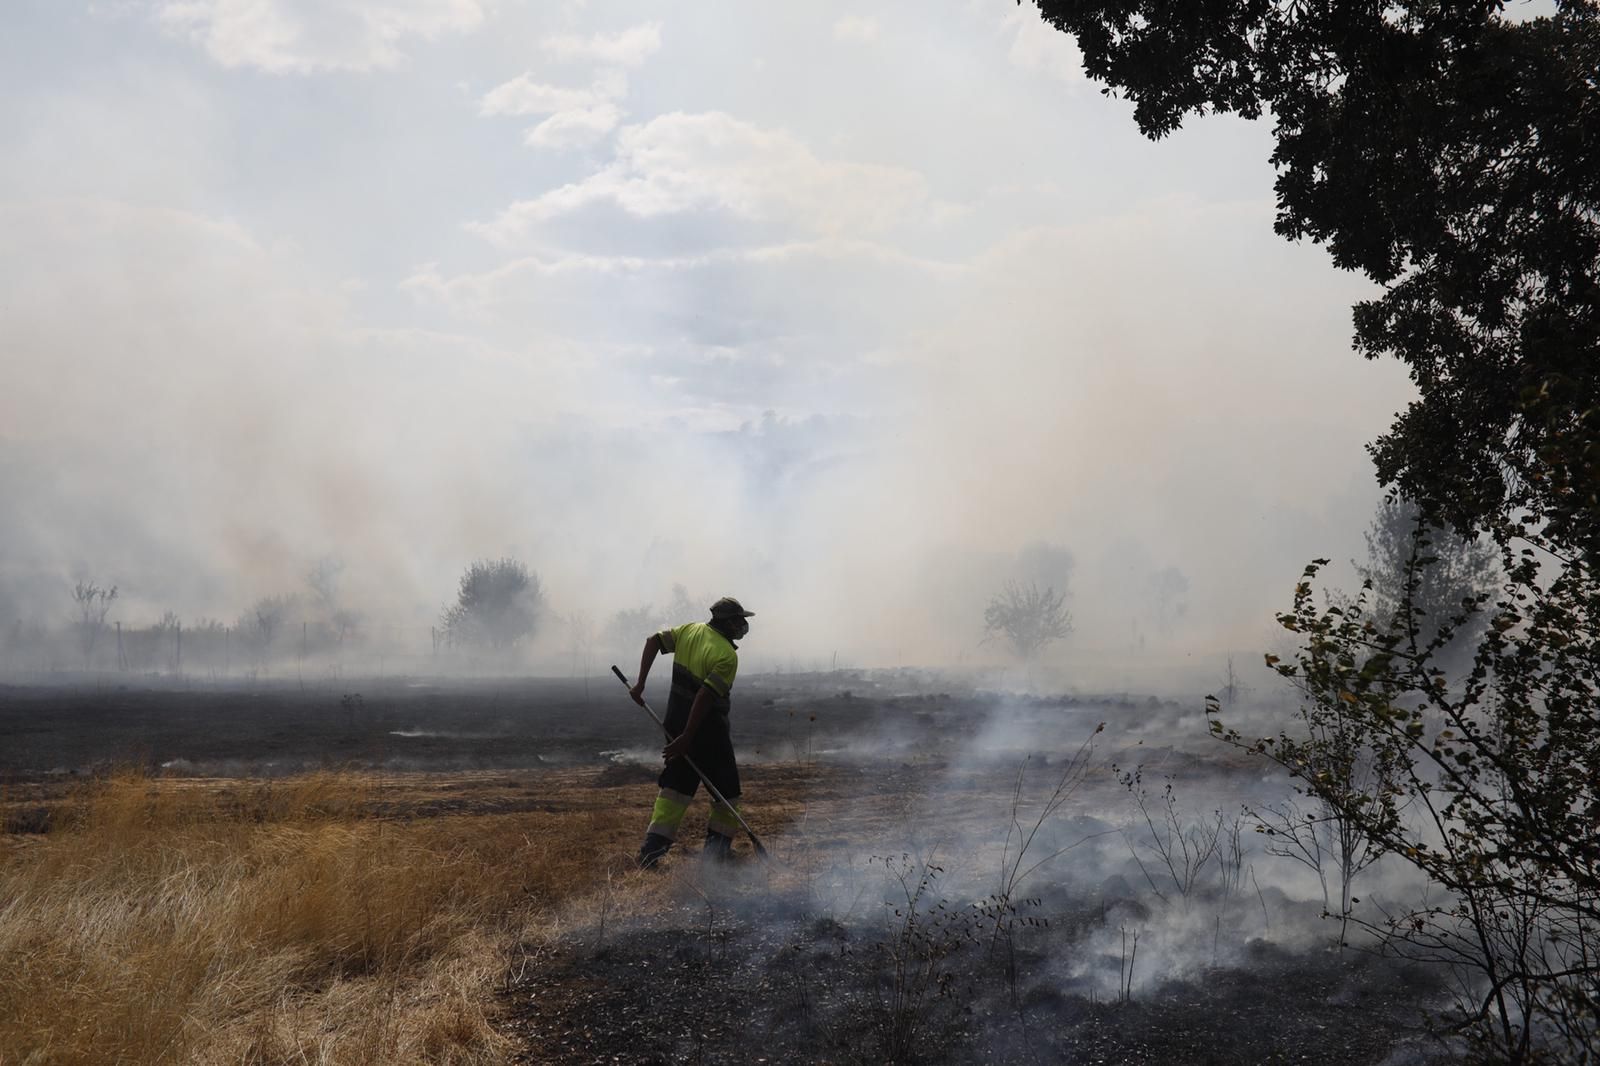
(728, 607)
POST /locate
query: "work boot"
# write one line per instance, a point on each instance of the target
(718, 847)
(653, 850)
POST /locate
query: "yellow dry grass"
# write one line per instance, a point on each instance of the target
(164, 921)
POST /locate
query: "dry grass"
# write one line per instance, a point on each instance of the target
(285, 923)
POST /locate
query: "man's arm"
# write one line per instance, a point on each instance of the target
(652, 648)
(697, 714)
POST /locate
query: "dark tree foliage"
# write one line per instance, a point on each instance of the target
(497, 605)
(1453, 156)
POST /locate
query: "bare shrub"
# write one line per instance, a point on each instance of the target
(1018, 860)
(1177, 847)
(923, 931)
(93, 603)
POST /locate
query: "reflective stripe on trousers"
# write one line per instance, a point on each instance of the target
(667, 814)
(723, 820)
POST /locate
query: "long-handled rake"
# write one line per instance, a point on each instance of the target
(712, 789)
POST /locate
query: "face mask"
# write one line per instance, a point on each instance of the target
(735, 628)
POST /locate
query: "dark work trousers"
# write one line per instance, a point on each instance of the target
(711, 749)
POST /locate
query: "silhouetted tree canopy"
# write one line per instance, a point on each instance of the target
(1453, 156)
(497, 604)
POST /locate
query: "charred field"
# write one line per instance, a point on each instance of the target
(957, 875)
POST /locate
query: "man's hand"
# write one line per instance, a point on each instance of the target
(677, 748)
(637, 692)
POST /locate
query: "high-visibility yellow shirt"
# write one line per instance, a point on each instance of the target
(708, 656)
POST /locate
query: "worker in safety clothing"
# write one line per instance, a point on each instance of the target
(705, 660)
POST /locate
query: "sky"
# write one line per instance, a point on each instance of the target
(853, 311)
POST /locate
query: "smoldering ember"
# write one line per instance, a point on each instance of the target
(993, 532)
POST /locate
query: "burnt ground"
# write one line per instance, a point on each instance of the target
(773, 981)
(275, 727)
(807, 960)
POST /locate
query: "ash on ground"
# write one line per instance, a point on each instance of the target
(743, 971)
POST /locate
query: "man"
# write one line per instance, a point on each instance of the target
(705, 660)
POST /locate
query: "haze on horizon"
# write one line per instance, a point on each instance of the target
(840, 309)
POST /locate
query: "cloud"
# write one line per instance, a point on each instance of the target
(1040, 48)
(856, 29)
(523, 95)
(577, 117)
(629, 48)
(575, 127)
(680, 163)
(835, 267)
(301, 36)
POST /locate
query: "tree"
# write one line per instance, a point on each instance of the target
(168, 637)
(1348, 776)
(1233, 688)
(1028, 617)
(1491, 788)
(1448, 153)
(1447, 568)
(680, 607)
(94, 603)
(1044, 563)
(323, 580)
(580, 638)
(498, 604)
(260, 625)
(1170, 589)
(627, 629)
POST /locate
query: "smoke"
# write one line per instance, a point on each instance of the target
(226, 362)
(999, 797)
